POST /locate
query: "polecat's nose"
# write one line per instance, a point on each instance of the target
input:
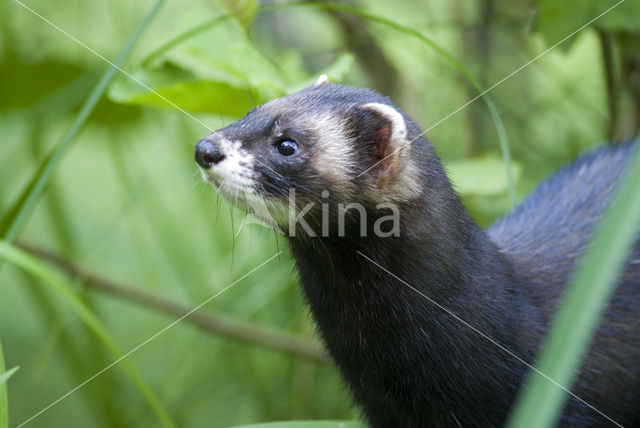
(207, 153)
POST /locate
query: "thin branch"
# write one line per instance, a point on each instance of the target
(215, 324)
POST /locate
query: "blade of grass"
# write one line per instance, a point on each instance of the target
(24, 206)
(4, 399)
(76, 350)
(6, 375)
(493, 111)
(35, 267)
(585, 300)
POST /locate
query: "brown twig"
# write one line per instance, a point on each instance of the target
(216, 324)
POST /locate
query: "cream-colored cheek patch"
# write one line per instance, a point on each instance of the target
(334, 156)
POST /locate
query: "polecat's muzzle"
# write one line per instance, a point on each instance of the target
(207, 152)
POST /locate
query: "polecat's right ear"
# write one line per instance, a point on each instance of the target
(390, 141)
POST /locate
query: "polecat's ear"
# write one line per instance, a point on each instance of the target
(390, 141)
(323, 79)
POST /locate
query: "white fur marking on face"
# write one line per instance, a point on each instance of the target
(268, 211)
(235, 178)
(234, 174)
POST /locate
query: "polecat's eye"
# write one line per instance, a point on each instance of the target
(287, 147)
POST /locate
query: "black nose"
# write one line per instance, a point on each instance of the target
(207, 153)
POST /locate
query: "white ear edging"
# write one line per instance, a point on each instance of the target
(397, 177)
(398, 127)
(323, 79)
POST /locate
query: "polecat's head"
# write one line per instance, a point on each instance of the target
(327, 144)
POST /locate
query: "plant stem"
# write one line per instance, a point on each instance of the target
(215, 324)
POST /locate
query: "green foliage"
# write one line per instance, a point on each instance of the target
(15, 218)
(37, 268)
(558, 19)
(244, 11)
(4, 376)
(306, 424)
(226, 81)
(480, 176)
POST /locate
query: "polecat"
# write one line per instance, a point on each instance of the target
(373, 210)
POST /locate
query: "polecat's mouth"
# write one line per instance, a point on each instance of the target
(229, 187)
(210, 178)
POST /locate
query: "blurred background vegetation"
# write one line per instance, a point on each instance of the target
(125, 238)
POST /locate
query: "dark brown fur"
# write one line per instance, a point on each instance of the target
(408, 362)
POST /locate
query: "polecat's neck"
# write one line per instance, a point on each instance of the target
(397, 348)
(440, 251)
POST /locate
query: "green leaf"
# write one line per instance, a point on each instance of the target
(587, 295)
(6, 375)
(45, 79)
(221, 73)
(188, 92)
(4, 400)
(623, 19)
(244, 11)
(557, 19)
(335, 72)
(307, 424)
(227, 80)
(480, 176)
(35, 267)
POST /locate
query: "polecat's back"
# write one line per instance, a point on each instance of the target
(546, 234)
(545, 237)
